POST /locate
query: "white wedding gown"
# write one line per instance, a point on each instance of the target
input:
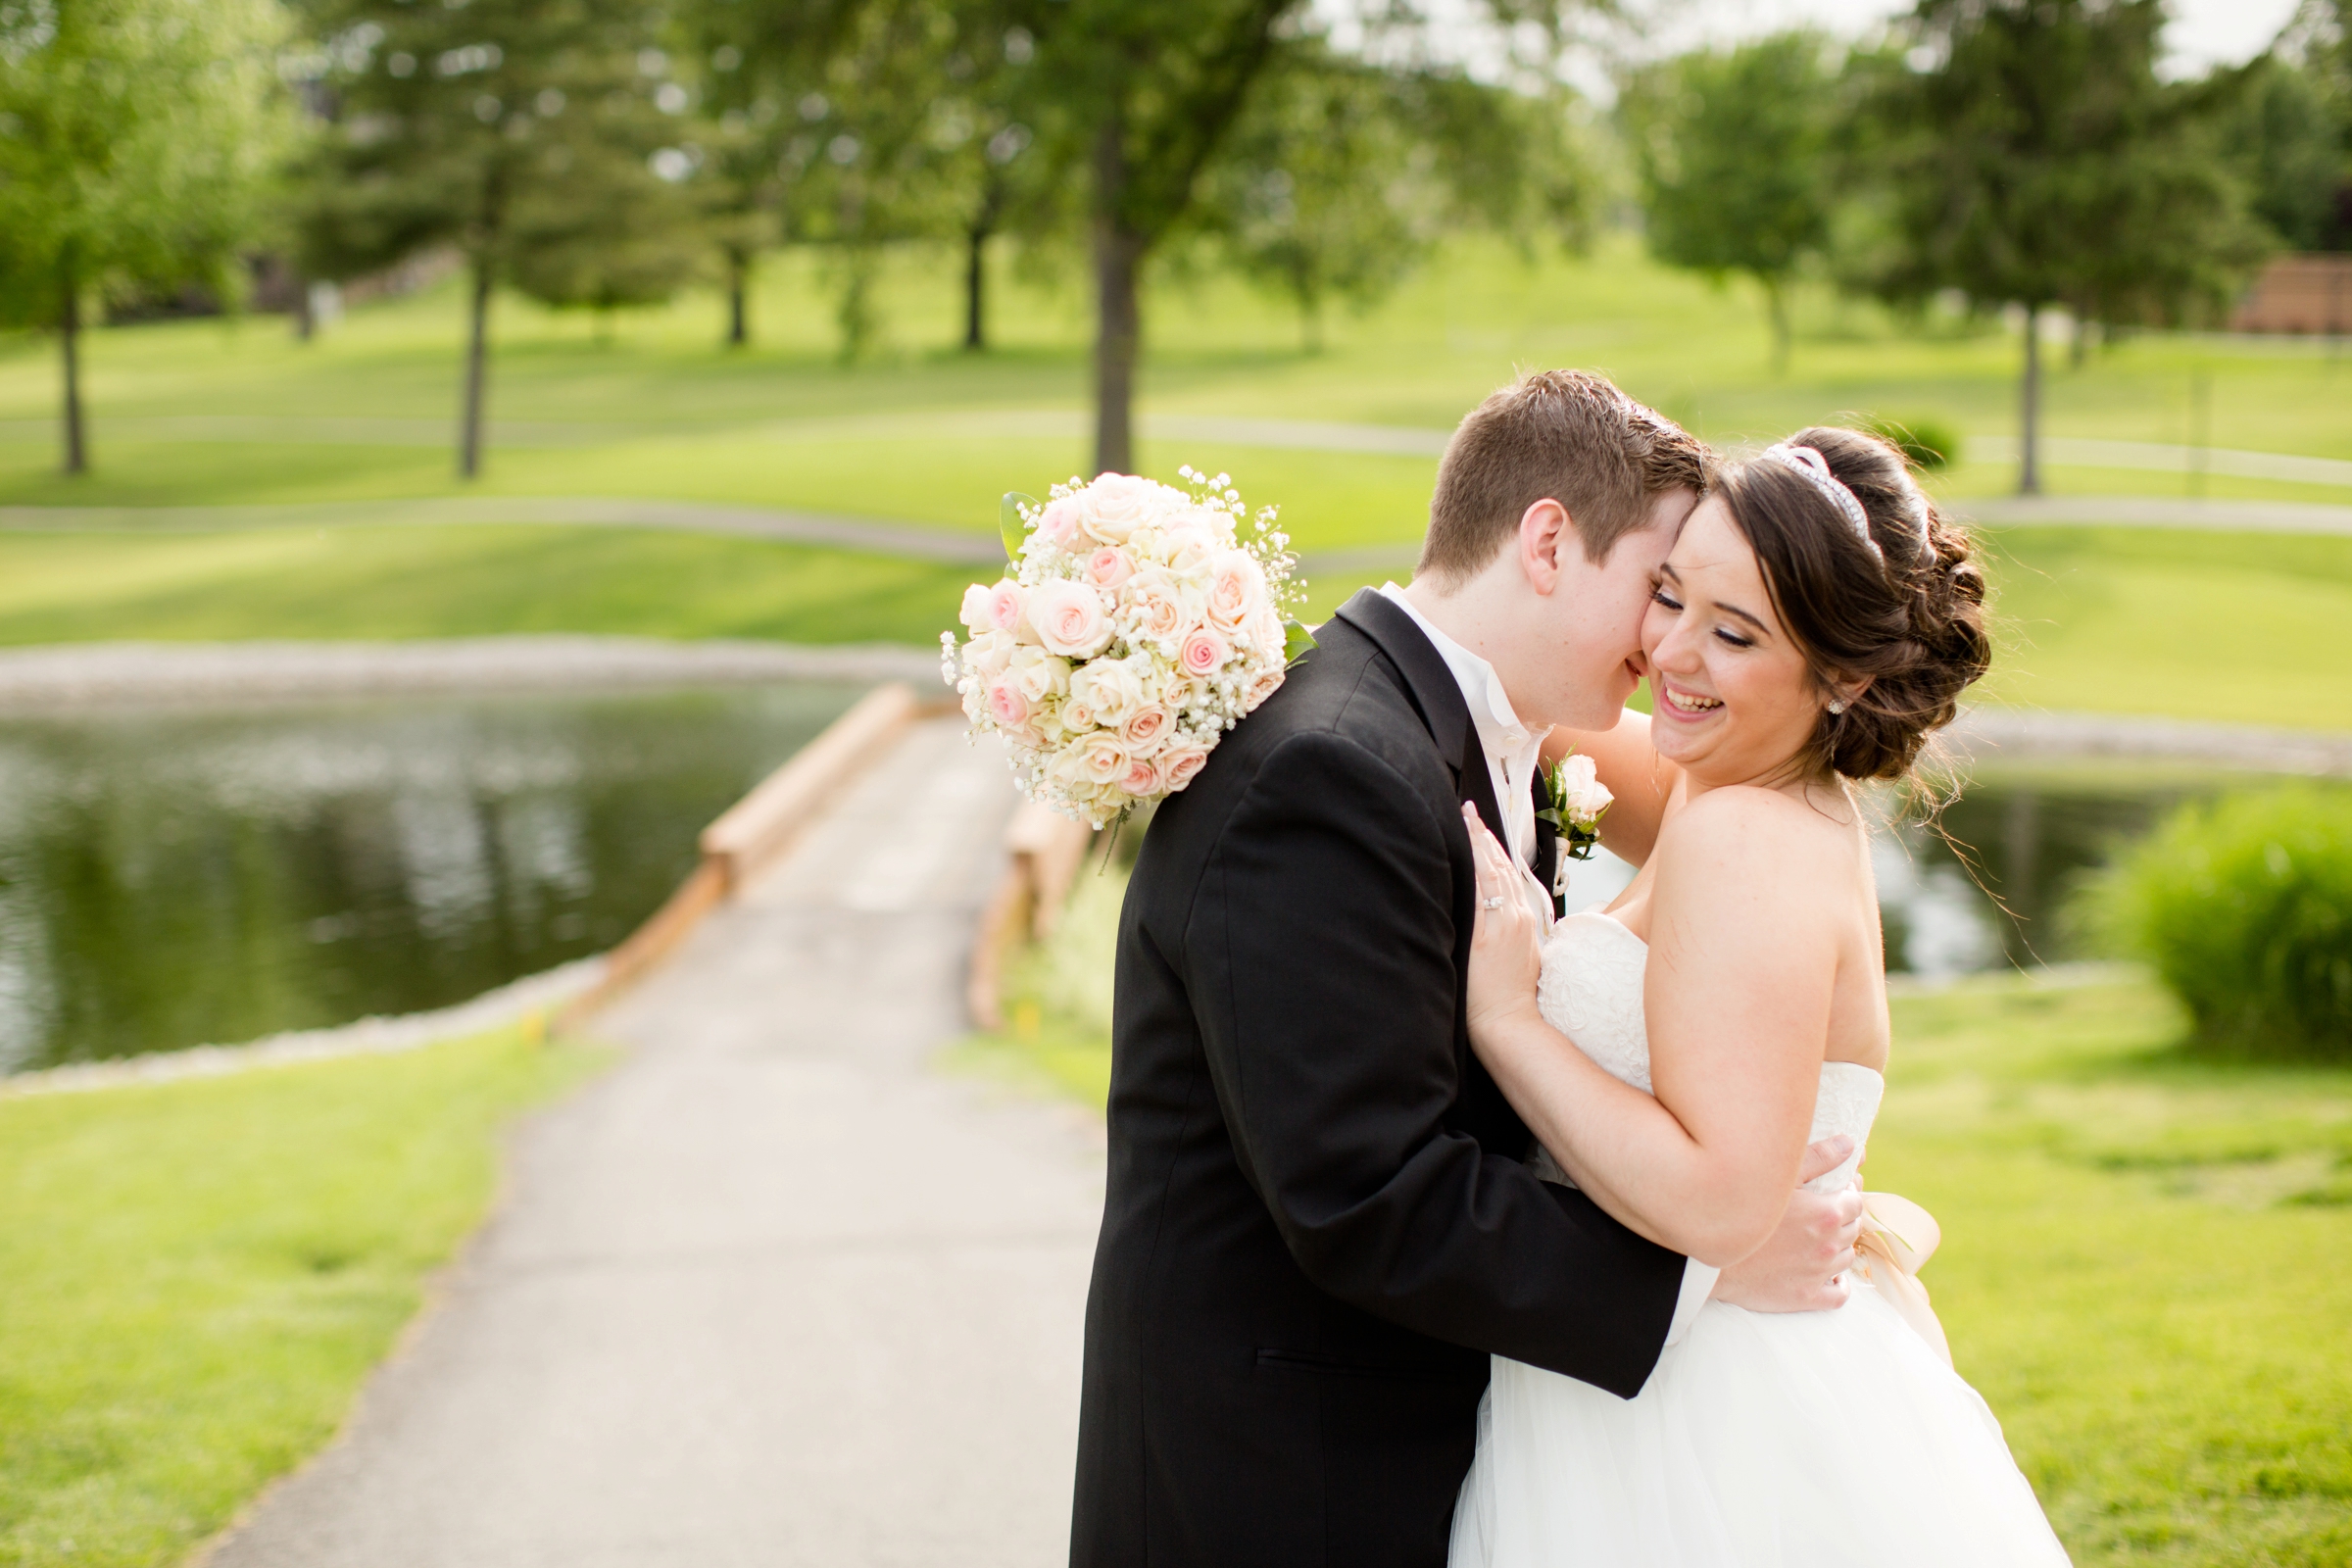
(1814, 1440)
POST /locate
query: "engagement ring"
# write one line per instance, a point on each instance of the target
(1494, 903)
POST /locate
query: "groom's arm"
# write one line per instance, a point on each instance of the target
(1320, 956)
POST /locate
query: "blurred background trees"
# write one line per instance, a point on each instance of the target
(2029, 156)
(1990, 155)
(541, 140)
(138, 142)
(1733, 152)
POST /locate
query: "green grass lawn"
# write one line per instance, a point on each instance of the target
(199, 1275)
(2222, 626)
(2147, 1259)
(433, 581)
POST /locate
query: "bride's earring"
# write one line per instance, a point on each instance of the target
(1837, 705)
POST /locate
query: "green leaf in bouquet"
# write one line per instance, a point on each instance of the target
(1009, 526)
(1296, 641)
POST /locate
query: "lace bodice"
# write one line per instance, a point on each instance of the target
(1591, 991)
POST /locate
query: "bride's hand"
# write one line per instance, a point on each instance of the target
(1506, 945)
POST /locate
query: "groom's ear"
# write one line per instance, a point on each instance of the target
(1546, 537)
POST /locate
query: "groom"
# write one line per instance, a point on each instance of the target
(1319, 1224)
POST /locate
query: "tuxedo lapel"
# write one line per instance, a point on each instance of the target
(1430, 684)
(1546, 863)
(1435, 695)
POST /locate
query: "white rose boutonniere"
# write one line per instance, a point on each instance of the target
(1578, 798)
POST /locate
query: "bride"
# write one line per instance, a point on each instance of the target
(1814, 624)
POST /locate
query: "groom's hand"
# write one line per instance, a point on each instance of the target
(1803, 1268)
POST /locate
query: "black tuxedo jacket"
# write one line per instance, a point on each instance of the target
(1317, 1224)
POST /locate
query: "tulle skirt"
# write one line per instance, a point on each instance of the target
(1816, 1439)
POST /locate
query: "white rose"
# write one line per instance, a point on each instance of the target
(1069, 618)
(1236, 589)
(1266, 632)
(1037, 674)
(1580, 783)
(988, 652)
(1157, 607)
(1111, 509)
(1111, 688)
(1102, 758)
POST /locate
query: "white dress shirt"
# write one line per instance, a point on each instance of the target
(1513, 753)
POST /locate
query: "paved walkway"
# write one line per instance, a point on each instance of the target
(71, 676)
(1215, 430)
(772, 1292)
(872, 535)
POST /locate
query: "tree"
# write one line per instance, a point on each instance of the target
(542, 139)
(978, 126)
(1339, 176)
(2286, 127)
(868, 164)
(1137, 96)
(1733, 152)
(137, 138)
(2031, 158)
(763, 60)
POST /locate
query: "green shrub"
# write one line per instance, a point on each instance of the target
(2244, 908)
(1923, 443)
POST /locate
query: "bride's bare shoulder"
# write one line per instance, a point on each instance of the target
(1746, 830)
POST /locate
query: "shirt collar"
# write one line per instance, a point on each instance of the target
(1500, 731)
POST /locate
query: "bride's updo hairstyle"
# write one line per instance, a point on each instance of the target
(1909, 613)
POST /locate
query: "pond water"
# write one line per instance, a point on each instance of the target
(176, 878)
(2030, 838)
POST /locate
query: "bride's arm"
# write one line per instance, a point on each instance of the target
(1633, 772)
(1743, 957)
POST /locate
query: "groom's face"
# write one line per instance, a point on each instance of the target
(1593, 623)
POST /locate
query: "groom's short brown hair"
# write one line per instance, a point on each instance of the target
(1559, 435)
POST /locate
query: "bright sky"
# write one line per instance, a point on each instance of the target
(2203, 33)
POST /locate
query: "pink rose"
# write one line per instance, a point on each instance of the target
(1076, 717)
(1114, 505)
(977, 613)
(1203, 652)
(1266, 686)
(1236, 589)
(1005, 602)
(1147, 729)
(1179, 765)
(1069, 618)
(1109, 566)
(1057, 524)
(1103, 759)
(1141, 779)
(1007, 706)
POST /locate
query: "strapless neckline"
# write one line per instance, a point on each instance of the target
(1598, 912)
(1591, 991)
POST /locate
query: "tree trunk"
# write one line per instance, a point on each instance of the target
(478, 344)
(855, 315)
(2028, 469)
(975, 288)
(1118, 256)
(1775, 304)
(69, 333)
(739, 267)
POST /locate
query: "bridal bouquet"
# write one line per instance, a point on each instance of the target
(1138, 623)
